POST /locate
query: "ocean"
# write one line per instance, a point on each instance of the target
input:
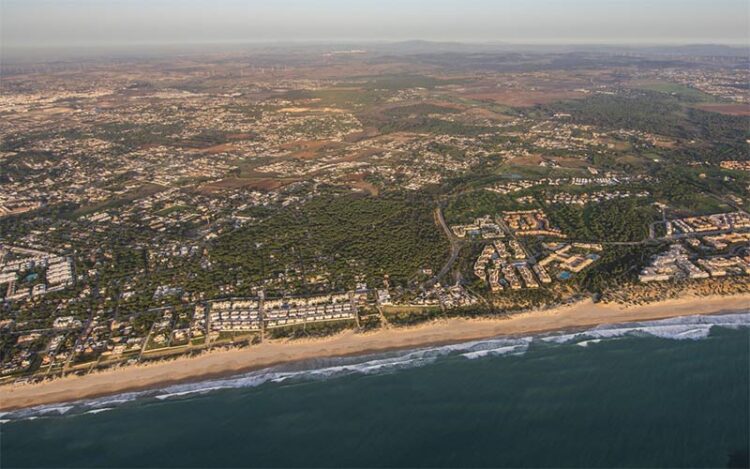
(672, 393)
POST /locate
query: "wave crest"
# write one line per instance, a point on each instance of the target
(679, 328)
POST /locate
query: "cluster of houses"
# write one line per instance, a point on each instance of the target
(27, 273)
(23, 356)
(483, 226)
(501, 266)
(286, 312)
(455, 296)
(522, 223)
(569, 258)
(708, 223)
(14, 205)
(172, 329)
(176, 209)
(736, 165)
(447, 297)
(679, 263)
(240, 315)
(727, 84)
(505, 264)
(106, 335)
(722, 266)
(509, 267)
(608, 179)
(72, 343)
(55, 355)
(235, 315)
(724, 240)
(531, 223)
(124, 337)
(585, 198)
(425, 165)
(92, 169)
(676, 264)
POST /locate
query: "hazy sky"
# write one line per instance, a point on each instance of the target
(105, 22)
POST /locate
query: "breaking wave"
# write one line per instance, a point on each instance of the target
(679, 328)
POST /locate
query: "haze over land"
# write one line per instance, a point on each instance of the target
(100, 23)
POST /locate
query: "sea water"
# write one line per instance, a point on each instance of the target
(661, 393)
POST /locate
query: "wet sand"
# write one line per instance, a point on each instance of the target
(227, 362)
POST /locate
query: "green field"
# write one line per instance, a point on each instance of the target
(678, 90)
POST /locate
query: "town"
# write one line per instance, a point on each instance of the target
(150, 210)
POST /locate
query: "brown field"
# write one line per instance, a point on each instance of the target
(38, 114)
(360, 155)
(531, 160)
(148, 146)
(618, 144)
(239, 136)
(221, 148)
(664, 143)
(737, 109)
(309, 149)
(367, 132)
(401, 137)
(367, 187)
(357, 181)
(481, 113)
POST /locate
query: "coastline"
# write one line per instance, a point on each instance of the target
(222, 363)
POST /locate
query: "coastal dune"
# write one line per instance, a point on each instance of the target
(226, 362)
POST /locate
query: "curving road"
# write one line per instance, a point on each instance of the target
(456, 245)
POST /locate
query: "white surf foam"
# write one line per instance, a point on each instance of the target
(680, 328)
(499, 348)
(586, 343)
(99, 411)
(58, 410)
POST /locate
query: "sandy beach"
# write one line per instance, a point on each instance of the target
(580, 315)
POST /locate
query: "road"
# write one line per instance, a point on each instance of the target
(456, 245)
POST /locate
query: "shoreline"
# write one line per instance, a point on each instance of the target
(225, 363)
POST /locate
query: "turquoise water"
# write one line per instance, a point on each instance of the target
(615, 396)
(31, 277)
